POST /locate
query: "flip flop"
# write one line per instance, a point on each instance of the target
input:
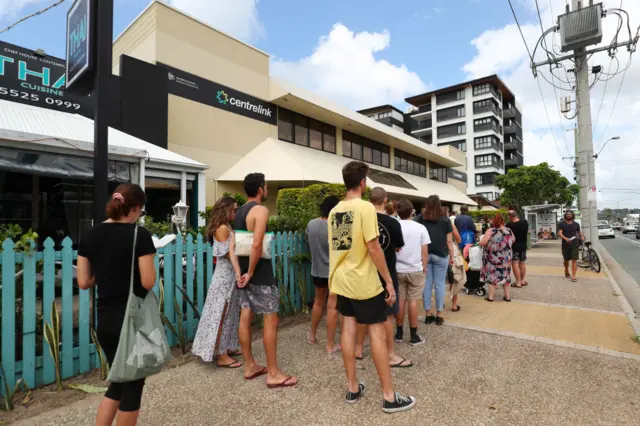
(516, 286)
(359, 358)
(506, 300)
(524, 284)
(456, 309)
(567, 275)
(575, 280)
(235, 353)
(258, 373)
(488, 300)
(399, 365)
(231, 365)
(283, 384)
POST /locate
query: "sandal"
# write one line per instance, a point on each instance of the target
(235, 353)
(516, 286)
(524, 284)
(282, 384)
(456, 309)
(258, 373)
(575, 280)
(234, 364)
(505, 299)
(487, 299)
(399, 365)
(567, 275)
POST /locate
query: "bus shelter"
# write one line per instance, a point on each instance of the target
(543, 221)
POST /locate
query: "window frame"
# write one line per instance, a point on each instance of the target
(327, 131)
(402, 160)
(363, 143)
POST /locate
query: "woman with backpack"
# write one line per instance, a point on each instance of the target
(496, 268)
(441, 255)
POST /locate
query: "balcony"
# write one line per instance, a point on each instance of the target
(423, 128)
(494, 91)
(422, 113)
(496, 162)
(426, 139)
(509, 111)
(495, 145)
(489, 108)
(511, 127)
(512, 143)
(513, 160)
(488, 126)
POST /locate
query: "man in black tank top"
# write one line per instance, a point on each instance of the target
(259, 290)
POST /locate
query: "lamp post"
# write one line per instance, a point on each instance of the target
(615, 138)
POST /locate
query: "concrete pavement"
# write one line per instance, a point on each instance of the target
(559, 353)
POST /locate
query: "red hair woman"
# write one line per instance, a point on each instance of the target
(496, 268)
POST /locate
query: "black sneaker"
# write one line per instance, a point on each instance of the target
(416, 340)
(353, 397)
(399, 336)
(430, 319)
(401, 403)
(439, 320)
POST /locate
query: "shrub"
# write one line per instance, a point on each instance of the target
(305, 202)
(477, 215)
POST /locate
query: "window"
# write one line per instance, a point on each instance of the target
(461, 129)
(460, 95)
(488, 195)
(408, 163)
(486, 142)
(460, 112)
(462, 146)
(285, 125)
(488, 160)
(485, 179)
(486, 124)
(438, 172)
(363, 149)
(305, 131)
(384, 114)
(481, 89)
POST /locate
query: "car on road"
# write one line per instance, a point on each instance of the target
(617, 226)
(630, 227)
(605, 231)
(638, 234)
(603, 222)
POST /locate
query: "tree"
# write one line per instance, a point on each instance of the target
(534, 185)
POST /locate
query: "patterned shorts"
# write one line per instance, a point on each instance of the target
(261, 299)
(520, 256)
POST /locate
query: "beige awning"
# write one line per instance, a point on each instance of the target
(285, 162)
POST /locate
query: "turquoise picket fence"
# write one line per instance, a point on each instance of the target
(32, 280)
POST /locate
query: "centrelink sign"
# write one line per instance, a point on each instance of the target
(39, 80)
(198, 89)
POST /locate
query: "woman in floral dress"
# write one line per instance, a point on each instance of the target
(217, 334)
(496, 268)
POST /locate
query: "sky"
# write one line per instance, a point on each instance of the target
(362, 53)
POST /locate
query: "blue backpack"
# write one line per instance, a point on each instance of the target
(467, 237)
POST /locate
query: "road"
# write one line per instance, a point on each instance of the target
(626, 250)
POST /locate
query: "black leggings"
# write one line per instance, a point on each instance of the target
(128, 393)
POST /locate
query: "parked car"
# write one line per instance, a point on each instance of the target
(630, 227)
(605, 231)
(603, 222)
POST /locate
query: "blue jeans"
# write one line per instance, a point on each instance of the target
(436, 274)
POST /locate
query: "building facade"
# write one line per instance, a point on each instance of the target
(481, 118)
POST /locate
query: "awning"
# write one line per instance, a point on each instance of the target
(32, 128)
(285, 162)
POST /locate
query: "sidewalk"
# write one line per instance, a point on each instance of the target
(560, 353)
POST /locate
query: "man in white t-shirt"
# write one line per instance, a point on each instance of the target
(411, 265)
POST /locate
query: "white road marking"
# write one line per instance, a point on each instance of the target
(628, 239)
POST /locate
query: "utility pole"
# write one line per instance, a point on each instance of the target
(584, 143)
(101, 116)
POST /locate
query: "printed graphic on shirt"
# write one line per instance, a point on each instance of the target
(342, 230)
(385, 238)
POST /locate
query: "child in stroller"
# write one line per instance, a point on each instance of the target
(473, 284)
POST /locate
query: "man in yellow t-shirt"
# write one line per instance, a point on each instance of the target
(355, 258)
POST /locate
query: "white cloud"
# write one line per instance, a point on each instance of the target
(502, 51)
(344, 68)
(238, 18)
(10, 8)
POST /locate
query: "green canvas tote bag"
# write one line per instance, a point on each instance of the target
(143, 348)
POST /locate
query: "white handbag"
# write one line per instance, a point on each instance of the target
(244, 242)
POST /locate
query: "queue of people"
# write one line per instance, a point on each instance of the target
(371, 264)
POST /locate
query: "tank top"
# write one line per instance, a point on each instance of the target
(263, 274)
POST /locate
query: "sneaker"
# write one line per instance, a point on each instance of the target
(401, 403)
(399, 336)
(353, 397)
(416, 340)
(430, 319)
(439, 320)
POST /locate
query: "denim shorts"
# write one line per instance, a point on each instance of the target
(261, 299)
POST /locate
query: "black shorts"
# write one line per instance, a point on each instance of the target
(320, 282)
(570, 253)
(519, 256)
(369, 311)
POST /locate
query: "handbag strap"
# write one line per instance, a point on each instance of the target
(133, 257)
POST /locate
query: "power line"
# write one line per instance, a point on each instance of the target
(520, 29)
(40, 12)
(624, 74)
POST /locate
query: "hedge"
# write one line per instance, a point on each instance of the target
(305, 202)
(477, 215)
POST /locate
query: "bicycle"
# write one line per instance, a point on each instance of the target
(588, 258)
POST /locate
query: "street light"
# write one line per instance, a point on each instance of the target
(179, 218)
(615, 138)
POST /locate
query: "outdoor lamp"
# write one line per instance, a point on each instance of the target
(180, 210)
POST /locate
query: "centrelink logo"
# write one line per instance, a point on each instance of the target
(172, 77)
(224, 99)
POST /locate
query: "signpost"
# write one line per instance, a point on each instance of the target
(80, 50)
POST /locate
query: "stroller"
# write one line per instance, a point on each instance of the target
(473, 284)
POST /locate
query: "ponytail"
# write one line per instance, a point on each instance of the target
(124, 198)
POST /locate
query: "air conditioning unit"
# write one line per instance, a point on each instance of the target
(581, 28)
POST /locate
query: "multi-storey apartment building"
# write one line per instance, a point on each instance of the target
(480, 117)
